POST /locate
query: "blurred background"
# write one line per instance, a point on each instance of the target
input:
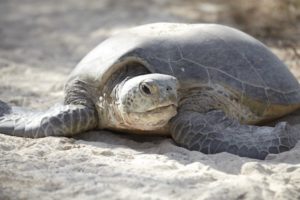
(42, 40)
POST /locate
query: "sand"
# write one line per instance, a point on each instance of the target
(103, 165)
(41, 42)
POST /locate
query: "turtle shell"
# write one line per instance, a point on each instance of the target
(198, 54)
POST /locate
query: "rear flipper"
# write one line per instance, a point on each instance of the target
(63, 120)
(213, 132)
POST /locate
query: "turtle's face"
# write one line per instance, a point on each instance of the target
(148, 102)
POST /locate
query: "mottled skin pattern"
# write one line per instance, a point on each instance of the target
(205, 85)
(60, 120)
(141, 103)
(213, 132)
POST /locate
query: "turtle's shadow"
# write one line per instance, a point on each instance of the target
(165, 146)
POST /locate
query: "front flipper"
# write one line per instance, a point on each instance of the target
(214, 132)
(63, 120)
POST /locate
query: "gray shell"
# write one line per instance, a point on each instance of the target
(196, 54)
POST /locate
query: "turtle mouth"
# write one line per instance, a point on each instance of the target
(162, 108)
(152, 119)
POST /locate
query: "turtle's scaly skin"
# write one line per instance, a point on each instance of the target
(228, 81)
(213, 132)
(63, 120)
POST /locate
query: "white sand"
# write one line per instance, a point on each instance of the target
(110, 166)
(40, 42)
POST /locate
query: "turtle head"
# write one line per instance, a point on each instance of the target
(148, 102)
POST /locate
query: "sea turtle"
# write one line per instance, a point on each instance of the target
(206, 85)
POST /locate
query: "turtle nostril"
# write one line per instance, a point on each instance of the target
(169, 88)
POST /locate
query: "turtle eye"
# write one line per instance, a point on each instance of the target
(145, 88)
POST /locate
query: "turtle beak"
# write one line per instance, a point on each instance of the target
(171, 91)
